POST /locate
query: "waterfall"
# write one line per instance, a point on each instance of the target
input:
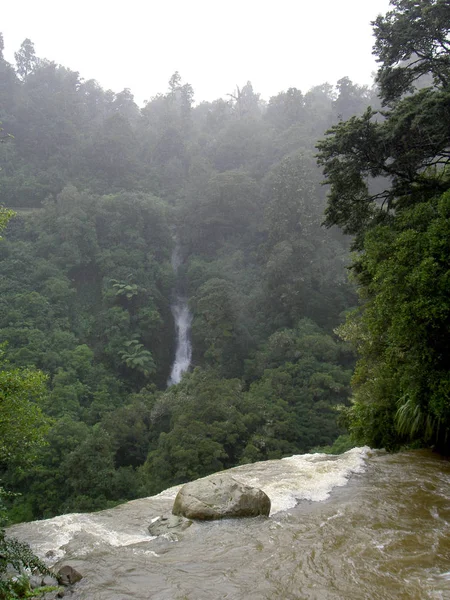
(183, 353)
(183, 319)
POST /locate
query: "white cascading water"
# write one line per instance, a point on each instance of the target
(183, 319)
(362, 525)
(183, 353)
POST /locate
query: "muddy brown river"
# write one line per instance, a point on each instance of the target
(363, 525)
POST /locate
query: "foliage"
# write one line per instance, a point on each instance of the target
(19, 556)
(402, 333)
(406, 144)
(101, 188)
(209, 423)
(342, 444)
(125, 289)
(136, 357)
(401, 329)
(22, 430)
(412, 42)
(5, 216)
(22, 423)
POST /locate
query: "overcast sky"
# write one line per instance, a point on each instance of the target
(214, 45)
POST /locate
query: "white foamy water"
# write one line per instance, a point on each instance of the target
(183, 320)
(183, 353)
(286, 482)
(55, 535)
(302, 477)
(362, 525)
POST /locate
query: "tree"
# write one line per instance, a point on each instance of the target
(302, 261)
(26, 59)
(19, 556)
(214, 327)
(412, 40)
(180, 96)
(22, 424)
(225, 207)
(206, 430)
(22, 430)
(246, 101)
(407, 144)
(90, 467)
(125, 105)
(5, 216)
(135, 356)
(291, 407)
(113, 153)
(401, 331)
(286, 109)
(351, 99)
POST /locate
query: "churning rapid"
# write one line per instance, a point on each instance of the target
(183, 319)
(360, 526)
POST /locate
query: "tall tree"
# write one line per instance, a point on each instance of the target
(412, 40)
(402, 388)
(26, 59)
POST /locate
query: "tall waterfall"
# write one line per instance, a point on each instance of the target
(183, 319)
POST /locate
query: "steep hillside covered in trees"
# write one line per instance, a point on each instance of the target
(100, 188)
(103, 190)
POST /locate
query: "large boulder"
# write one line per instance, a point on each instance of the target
(68, 575)
(220, 497)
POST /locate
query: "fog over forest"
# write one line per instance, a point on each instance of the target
(276, 46)
(180, 293)
(105, 193)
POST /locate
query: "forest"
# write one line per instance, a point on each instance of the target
(320, 312)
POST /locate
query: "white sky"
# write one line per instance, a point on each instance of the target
(215, 45)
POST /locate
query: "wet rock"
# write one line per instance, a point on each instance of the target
(35, 581)
(54, 595)
(219, 497)
(11, 572)
(168, 524)
(164, 543)
(49, 580)
(68, 575)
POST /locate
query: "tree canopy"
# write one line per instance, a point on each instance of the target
(22, 423)
(104, 191)
(389, 177)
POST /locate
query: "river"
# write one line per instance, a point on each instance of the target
(362, 525)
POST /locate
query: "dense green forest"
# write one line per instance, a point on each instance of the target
(103, 191)
(390, 188)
